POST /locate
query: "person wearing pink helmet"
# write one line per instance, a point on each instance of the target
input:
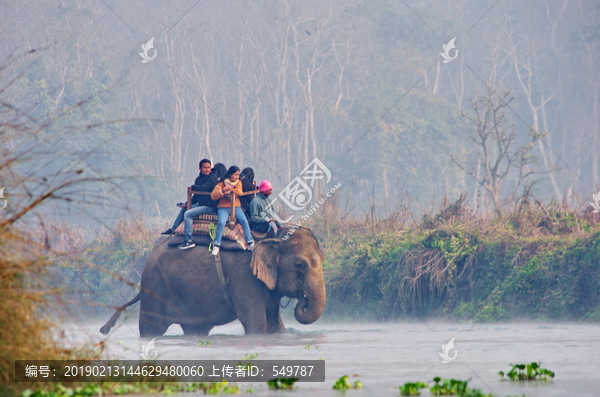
(258, 206)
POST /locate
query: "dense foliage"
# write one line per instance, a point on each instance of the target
(541, 262)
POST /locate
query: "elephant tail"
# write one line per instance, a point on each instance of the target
(111, 323)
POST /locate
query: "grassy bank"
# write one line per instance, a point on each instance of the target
(537, 262)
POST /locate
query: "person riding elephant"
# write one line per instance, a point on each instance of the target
(205, 182)
(185, 288)
(248, 185)
(231, 184)
(259, 220)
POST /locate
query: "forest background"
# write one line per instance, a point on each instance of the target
(274, 84)
(422, 218)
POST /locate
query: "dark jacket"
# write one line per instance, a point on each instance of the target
(204, 183)
(247, 186)
(247, 178)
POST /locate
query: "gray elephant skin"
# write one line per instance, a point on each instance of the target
(183, 286)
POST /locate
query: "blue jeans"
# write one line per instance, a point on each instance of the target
(189, 223)
(179, 218)
(223, 217)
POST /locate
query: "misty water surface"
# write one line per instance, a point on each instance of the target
(384, 356)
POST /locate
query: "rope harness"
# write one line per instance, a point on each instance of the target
(219, 267)
(212, 232)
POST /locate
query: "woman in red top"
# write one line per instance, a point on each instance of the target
(231, 183)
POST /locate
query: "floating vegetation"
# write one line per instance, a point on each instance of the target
(248, 356)
(282, 383)
(221, 388)
(443, 387)
(412, 389)
(531, 371)
(448, 387)
(344, 383)
(204, 343)
(109, 388)
(61, 391)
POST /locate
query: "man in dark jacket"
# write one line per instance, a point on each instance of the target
(201, 204)
(258, 207)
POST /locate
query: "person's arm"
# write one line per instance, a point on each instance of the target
(238, 189)
(217, 192)
(255, 210)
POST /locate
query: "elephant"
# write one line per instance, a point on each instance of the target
(184, 287)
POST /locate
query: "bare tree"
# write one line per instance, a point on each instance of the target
(496, 137)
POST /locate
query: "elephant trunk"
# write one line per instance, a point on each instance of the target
(311, 306)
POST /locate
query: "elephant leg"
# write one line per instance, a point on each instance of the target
(153, 321)
(151, 326)
(256, 325)
(195, 329)
(274, 323)
(254, 320)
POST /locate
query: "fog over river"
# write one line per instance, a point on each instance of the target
(386, 355)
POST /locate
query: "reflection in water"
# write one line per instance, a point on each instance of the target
(387, 355)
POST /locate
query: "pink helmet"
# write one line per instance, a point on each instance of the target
(265, 186)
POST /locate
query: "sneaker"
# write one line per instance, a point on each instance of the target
(186, 244)
(168, 231)
(215, 250)
(251, 246)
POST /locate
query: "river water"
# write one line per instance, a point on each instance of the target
(385, 355)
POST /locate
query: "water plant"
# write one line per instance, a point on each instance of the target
(412, 389)
(448, 387)
(204, 343)
(221, 388)
(282, 383)
(531, 371)
(61, 391)
(454, 387)
(248, 356)
(109, 388)
(344, 383)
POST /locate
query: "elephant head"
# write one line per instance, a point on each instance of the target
(293, 267)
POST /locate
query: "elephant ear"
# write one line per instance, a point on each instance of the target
(265, 261)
